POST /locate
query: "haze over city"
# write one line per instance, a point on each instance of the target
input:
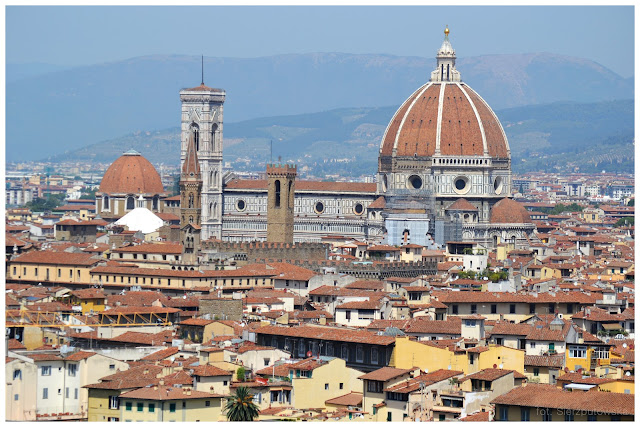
(362, 213)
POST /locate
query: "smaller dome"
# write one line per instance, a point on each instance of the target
(508, 211)
(462, 205)
(131, 174)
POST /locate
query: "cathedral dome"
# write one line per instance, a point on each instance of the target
(444, 117)
(449, 119)
(131, 174)
(508, 211)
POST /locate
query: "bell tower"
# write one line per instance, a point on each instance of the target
(190, 205)
(202, 118)
(281, 180)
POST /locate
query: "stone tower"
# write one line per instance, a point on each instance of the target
(202, 113)
(190, 204)
(281, 181)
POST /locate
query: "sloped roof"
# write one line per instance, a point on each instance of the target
(549, 396)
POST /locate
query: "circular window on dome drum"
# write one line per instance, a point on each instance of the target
(241, 205)
(497, 185)
(319, 207)
(358, 209)
(415, 182)
(461, 185)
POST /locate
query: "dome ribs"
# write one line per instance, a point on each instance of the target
(389, 138)
(131, 174)
(419, 129)
(460, 133)
(496, 141)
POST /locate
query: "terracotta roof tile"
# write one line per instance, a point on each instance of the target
(305, 186)
(413, 384)
(152, 248)
(327, 333)
(161, 354)
(384, 374)
(549, 396)
(167, 393)
(131, 174)
(463, 205)
(210, 371)
(350, 399)
(451, 326)
(56, 258)
(489, 374)
(79, 355)
(479, 416)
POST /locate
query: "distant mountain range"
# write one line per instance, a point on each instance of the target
(561, 136)
(51, 110)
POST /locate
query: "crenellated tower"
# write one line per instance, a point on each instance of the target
(281, 180)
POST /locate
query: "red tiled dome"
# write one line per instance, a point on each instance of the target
(508, 211)
(131, 174)
(468, 126)
(462, 205)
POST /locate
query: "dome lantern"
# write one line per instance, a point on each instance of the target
(446, 62)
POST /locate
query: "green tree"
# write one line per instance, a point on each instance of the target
(240, 373)
(240, 406)
(624, 222)
(42, 204)
(88, 193)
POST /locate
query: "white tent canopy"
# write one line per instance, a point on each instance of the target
(141, 219)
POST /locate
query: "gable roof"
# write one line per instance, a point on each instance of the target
(549, 396)
(384, 374)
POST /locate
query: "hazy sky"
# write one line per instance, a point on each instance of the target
(77, 35)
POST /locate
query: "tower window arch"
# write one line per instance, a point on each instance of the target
(210, 210)
(130, 203)
(190, 200)
(155, 203)
(105, 202)
(214, 130)
(195, 130)
(277, 191)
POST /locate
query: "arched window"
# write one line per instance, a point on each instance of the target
(211, 181)
(210, 210)
(277, 185)
(190, 200)
(130, 203)
(155, 203)
(214, 130)
(195, 130)
(105, 203)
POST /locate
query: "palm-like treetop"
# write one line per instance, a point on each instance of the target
(240, 406)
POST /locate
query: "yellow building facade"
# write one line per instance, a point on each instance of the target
(330, 380)
(408, 354)
(167, 404)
